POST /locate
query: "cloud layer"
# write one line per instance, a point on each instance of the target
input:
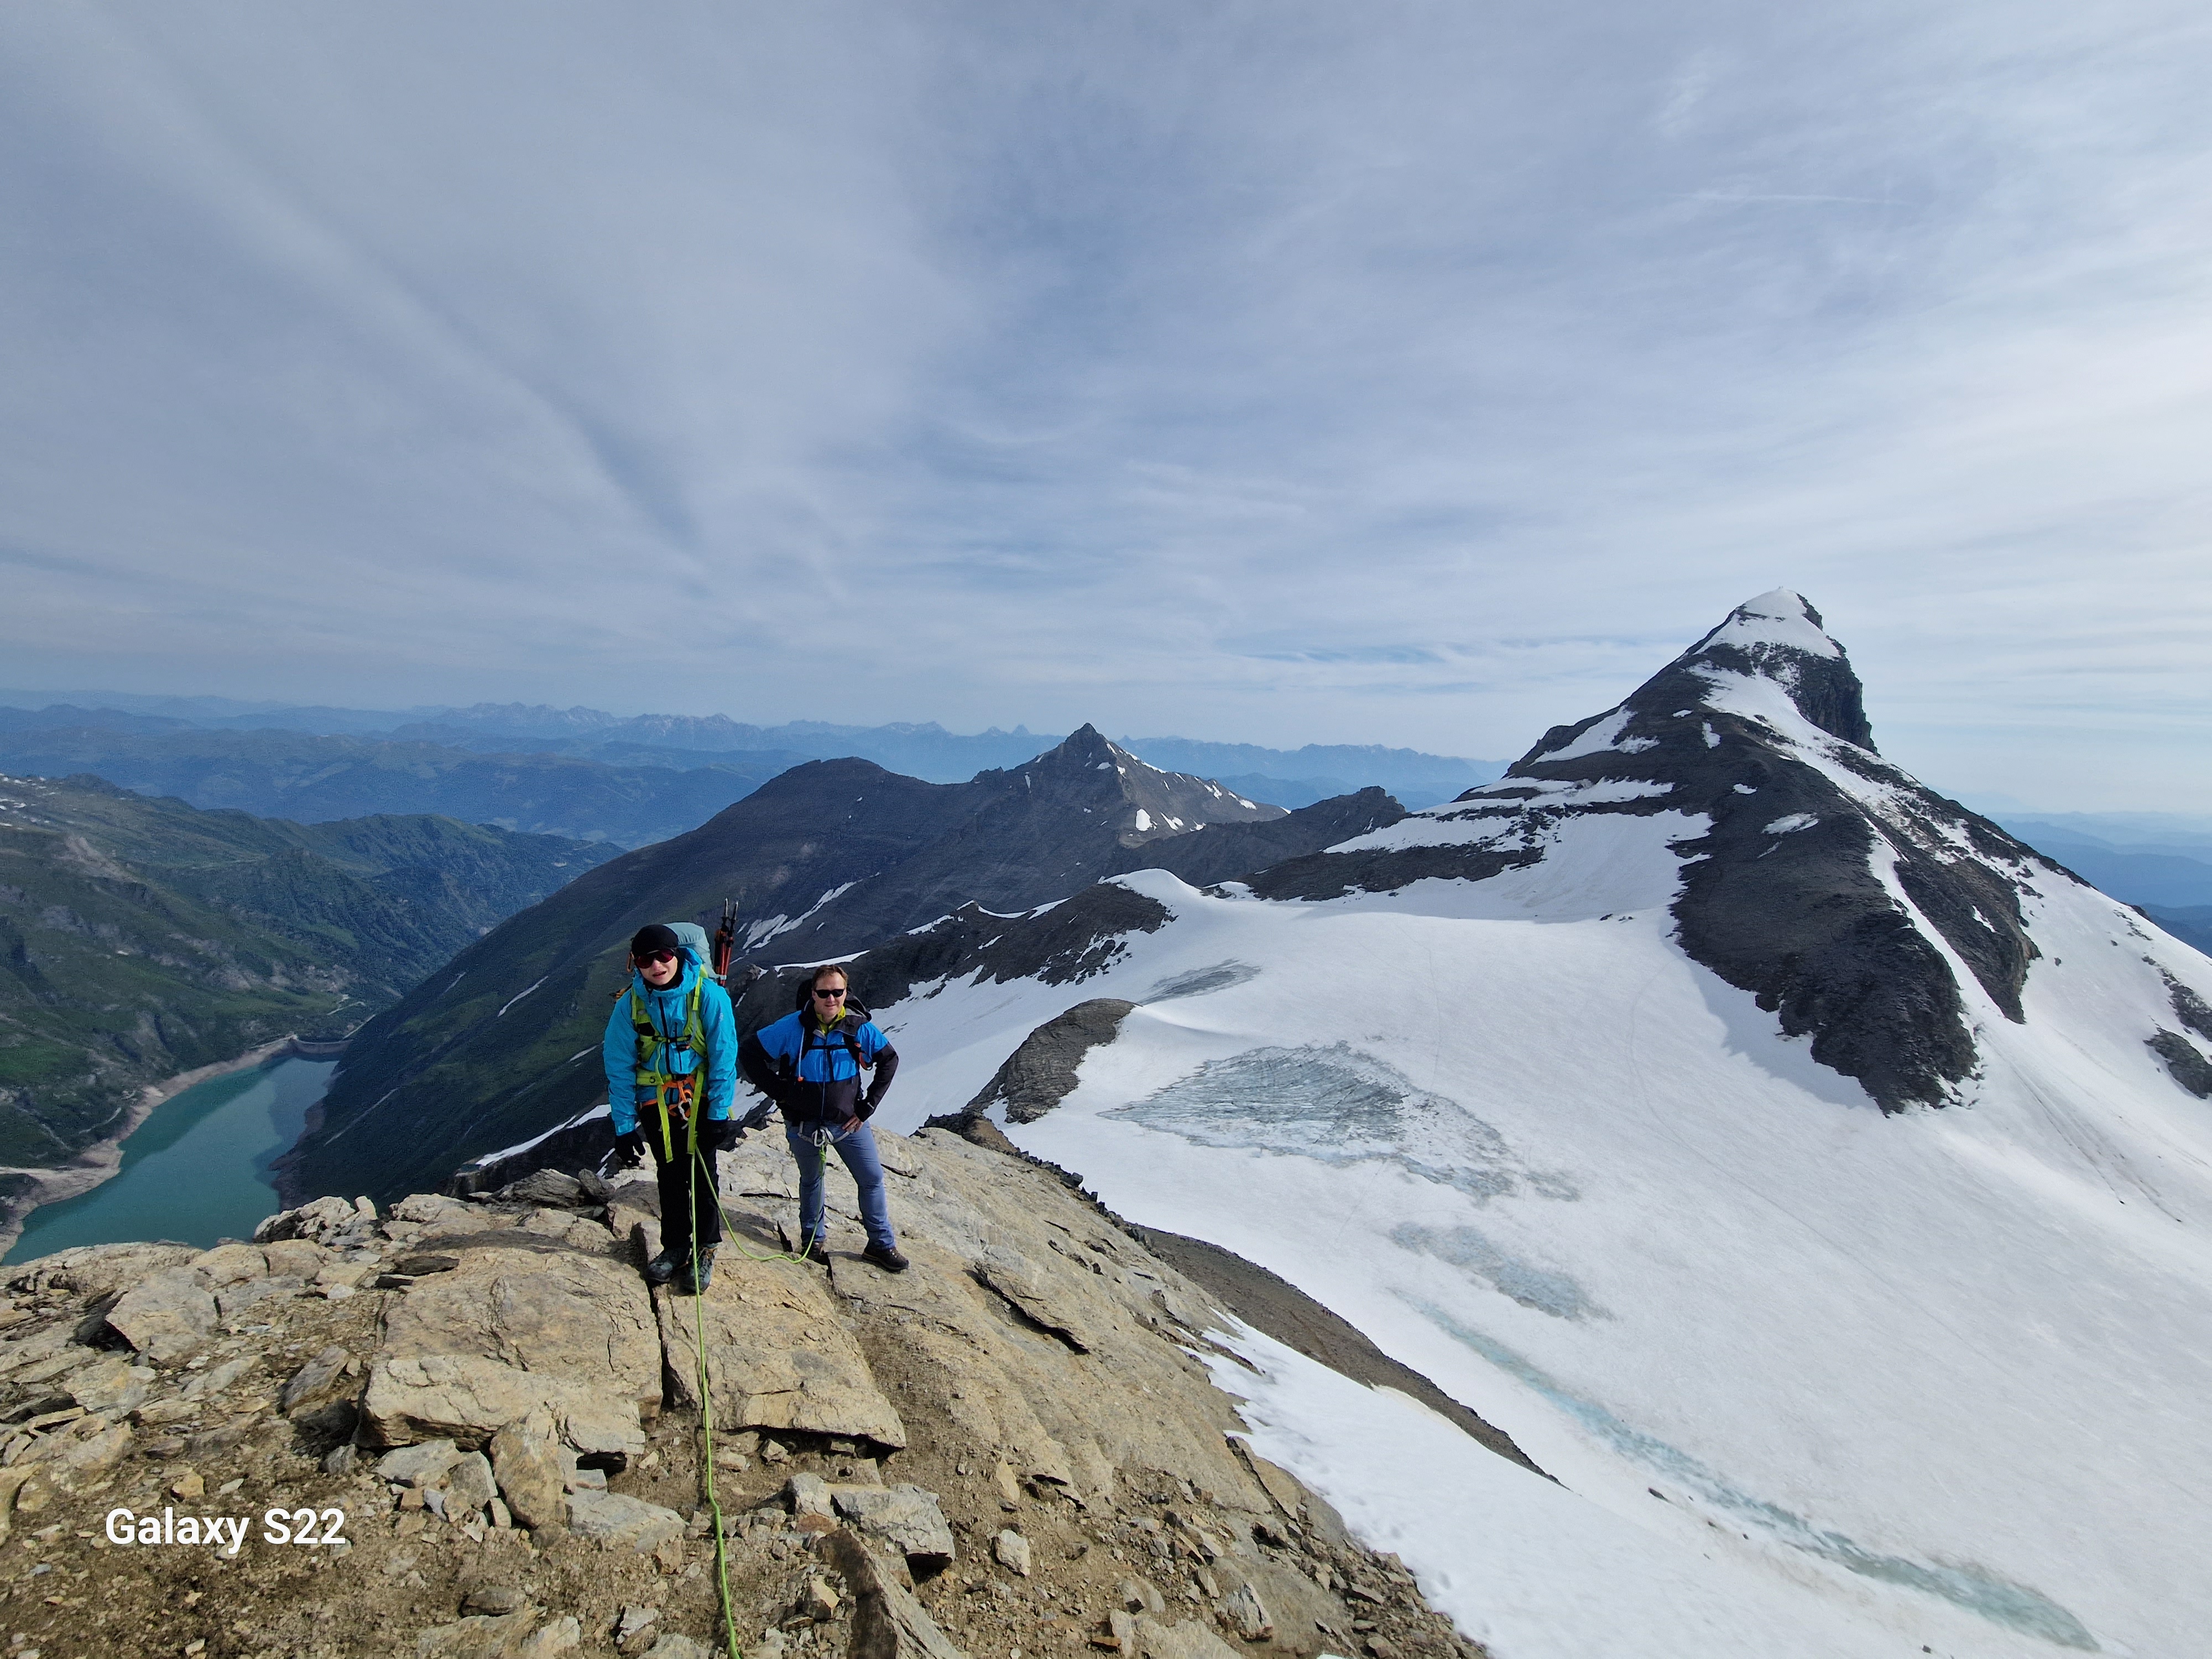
(1413, 372)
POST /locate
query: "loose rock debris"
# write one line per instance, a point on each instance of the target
(479, 1434)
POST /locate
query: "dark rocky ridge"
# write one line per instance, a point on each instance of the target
(829, 859)
(1798, 916)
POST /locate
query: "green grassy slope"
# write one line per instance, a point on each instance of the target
(142, 938)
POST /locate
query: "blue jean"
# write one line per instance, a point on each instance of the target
(858, 1149)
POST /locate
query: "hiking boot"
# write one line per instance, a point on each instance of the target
(692, 1281)
(885, 1256)
(660, 1269)
(816, 1250)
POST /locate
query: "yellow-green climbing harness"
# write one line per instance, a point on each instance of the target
(655, 1049)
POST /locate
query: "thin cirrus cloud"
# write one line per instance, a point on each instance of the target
(1417, 373)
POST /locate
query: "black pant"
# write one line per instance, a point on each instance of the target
(688, 1194)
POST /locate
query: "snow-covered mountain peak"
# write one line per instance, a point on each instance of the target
(1780, 617)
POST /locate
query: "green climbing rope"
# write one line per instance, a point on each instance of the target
(705, 1390)
(707, 1422)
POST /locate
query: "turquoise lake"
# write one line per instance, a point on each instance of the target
(197, 1170)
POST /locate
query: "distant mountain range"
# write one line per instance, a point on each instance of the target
(631, 811)
(313, 777)
(140, 939)
(830, 858)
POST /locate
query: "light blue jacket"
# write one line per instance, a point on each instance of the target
(665, 1008)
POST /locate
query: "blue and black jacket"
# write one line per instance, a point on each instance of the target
(815, 1075)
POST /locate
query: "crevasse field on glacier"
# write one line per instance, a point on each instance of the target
(1811, 1378)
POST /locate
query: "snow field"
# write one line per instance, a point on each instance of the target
(1958, 1349)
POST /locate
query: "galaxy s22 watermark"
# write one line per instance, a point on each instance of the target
(226, 1534)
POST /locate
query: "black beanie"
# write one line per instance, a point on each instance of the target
(654, 936)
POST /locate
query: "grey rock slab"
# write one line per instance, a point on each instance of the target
(24, 1352)
(1248, 1615)
(1028, 1287)
(435, 1212)
(230, 1264)
(584, 1319)
(808, 1494)
(778, 1354)
(316, 1383)
(1012, 1552)
(1055, 1410)
(79, 1463)
(313, 1221)
(469, 1484)
(295, 1258)
(71, 1357)
(92, 1271)
(235, 1302)
(216, 1378)
(167, 1316)
(617, 1522)
(1140, 1596)
(526, 1460)
(904, 1518)
(544, 1187)
(896, 1154)
(673, 1646)
(463, 1397)
(423, 1465)
(558, 1636)
(888, 1621)
(110, 1385)
(495, 1635)
(1187, 1640)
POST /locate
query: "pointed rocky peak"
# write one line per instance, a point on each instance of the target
(1142, 802)
(1769, 671)
(1779, 638)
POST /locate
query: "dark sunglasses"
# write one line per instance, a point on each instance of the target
(829, 996)
(658, 956)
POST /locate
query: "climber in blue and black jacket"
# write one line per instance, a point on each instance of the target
(671, 1053)
(809, 1063)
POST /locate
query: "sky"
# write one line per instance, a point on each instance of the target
(1410, 372)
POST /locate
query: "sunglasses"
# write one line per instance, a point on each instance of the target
(830, 996)
(656, 956)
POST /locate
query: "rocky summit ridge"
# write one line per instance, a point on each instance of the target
(1014, 1445)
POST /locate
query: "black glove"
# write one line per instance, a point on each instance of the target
(757, 1118)
(720, 1133)
(631, 1145)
